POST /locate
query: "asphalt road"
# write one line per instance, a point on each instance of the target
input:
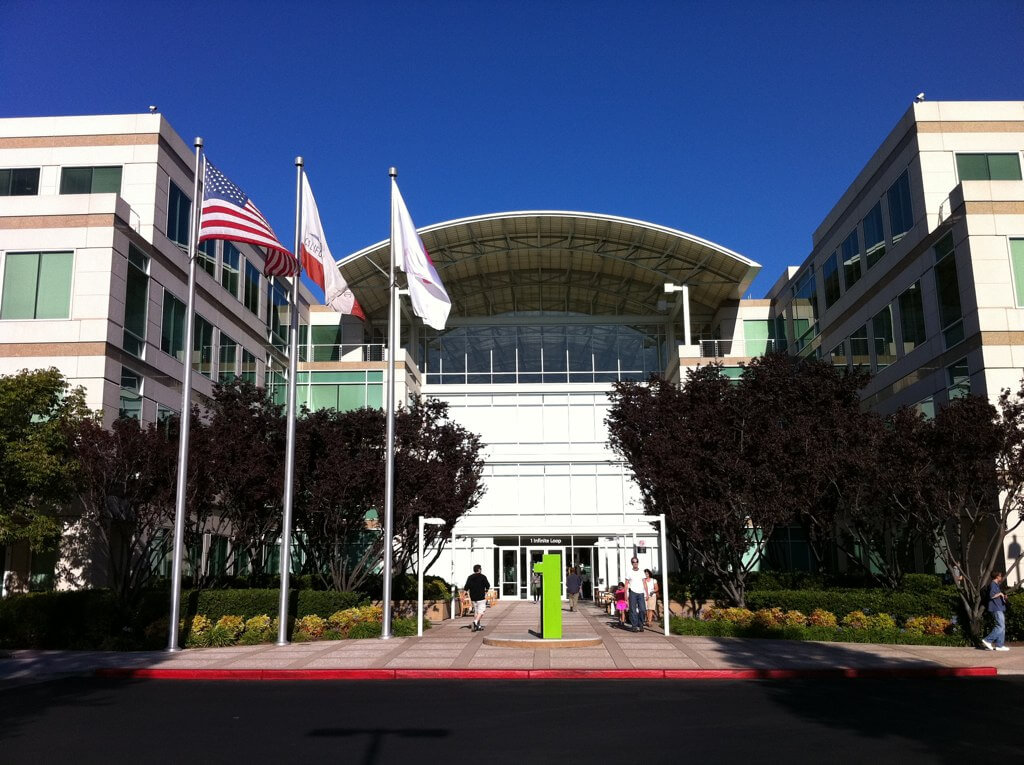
(81, 720)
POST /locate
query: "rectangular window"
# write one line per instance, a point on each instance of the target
(131, 395)
(172, 332)
(1017, 258)
(947, 290)
(805, 308)
(959, 380)
(277, 313)
(19, 182)
(202, 347)
(912, 317)
(830, 275)
(136, 302)
(851, 259)
(901, 214)
(838, 356)
(252, 288)
(988, 167)
(248, 367)
(229, 265)
(881, 334)
(207, 257)
(90, 180)
(179, 214)
(227, 369)
(874, 235)
(37, 285)
(860, 354)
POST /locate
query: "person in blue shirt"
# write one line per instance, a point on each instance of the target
(995, 640)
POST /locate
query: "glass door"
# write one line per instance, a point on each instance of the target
(510, 572)
(534, 555)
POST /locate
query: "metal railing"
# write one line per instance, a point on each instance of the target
(716, 349)
(342, 352)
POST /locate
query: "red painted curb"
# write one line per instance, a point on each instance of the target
(542, 674)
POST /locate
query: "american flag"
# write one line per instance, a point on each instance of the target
(229, 214)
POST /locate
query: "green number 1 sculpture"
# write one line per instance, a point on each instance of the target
(550, 570)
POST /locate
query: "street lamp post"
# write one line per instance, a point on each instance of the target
(664, 570)
(419, 566)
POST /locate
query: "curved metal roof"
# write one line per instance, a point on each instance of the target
(557, 261)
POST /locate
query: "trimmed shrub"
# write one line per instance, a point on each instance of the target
(928, 625)
(821, 618)
(722, 628)
(742, 616)
(856, 620)
(941, 601)
(794, 619)
(767, 618)
(199, 632)
(312, 626)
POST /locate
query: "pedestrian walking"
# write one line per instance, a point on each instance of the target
(477, 587)
(621, 603)
(573, 585)
(637, 595)
(996, 639)
(535, 585)
(651, 588)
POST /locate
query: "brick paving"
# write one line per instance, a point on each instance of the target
(452, 645)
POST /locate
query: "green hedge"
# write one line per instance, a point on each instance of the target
(937, 601)
(836, 635)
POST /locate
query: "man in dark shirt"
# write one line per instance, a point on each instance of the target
(477, 586)
(995, 640)
(573, 583)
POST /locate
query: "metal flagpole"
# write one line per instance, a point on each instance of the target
(389, 471)
(665, 602)
(289, 455)
(186, 405)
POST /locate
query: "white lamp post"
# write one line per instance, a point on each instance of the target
(419, 566)
(664, 569)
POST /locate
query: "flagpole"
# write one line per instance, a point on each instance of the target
(186, 407)
(289, 456)
(389, 471)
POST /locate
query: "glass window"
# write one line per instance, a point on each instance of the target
(179, 213)
(901, 214)
(248, 367)
(90, 180)
(37, 285)
(277, 313)
(172, 331)
(227, 368)
(959, 380)
(912, 317)
(881, 334)
(988, 167)
(207, 257)
(252, 288)
(805, 308)
(1017, 258)
(874, 236)
(830, 275)
(202, 347)
(136, 302)
(947, 290)
(230, 263)
(851, 259)
(19, 182)
(926, 407)
(131, 395)
(858, 343)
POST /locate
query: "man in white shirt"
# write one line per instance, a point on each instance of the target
(637, 596)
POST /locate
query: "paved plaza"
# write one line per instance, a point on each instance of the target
(452, 645)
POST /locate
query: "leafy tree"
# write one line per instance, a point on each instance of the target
(38, 417)
(126, 493)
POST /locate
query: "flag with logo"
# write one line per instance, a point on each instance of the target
(430, 301)
(317, 261)
(229, 214)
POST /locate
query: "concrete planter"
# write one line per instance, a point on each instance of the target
(433, 610)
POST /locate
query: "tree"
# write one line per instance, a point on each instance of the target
(730, 461)
(340, 467)
(39, 414)
(126, 493)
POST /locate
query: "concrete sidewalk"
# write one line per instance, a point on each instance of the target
(452, 649)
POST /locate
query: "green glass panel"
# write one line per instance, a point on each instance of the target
(53, 299)
(375, 396)
(830, 276)
(324, 397)
(136, 301)
(1004, 167)
(343, 377)
(76, 180)
(972, 167)
(20, 272)
(106, 180)
(947, 287)
(351, 397)
(302, 396)
(375, 377)
(1017, 256)
(756, 333)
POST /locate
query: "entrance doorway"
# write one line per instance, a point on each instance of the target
(535, 555)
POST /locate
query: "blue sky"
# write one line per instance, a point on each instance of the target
(739, 122)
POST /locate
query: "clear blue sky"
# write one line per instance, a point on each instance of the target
(739, 122)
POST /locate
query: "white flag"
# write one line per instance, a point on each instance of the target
(317, 261)
(429, 300)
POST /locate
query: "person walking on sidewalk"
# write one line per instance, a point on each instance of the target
(651, 587)
(637, 596)
(995, 640)
(573, 584)
(477, 587)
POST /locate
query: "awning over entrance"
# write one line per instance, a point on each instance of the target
(560, 262)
